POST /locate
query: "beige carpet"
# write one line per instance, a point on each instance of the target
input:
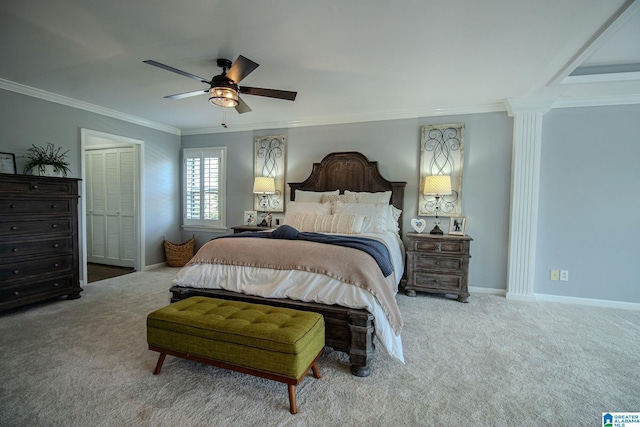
(492, 362)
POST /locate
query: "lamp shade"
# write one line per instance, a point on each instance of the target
(437, 185)
(264, 185)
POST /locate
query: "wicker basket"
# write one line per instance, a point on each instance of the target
(179, 255)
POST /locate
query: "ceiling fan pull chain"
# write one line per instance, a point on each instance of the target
(224, 117)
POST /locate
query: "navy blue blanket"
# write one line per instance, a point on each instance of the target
(373, 247)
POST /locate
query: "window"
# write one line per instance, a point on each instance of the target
(204, 187)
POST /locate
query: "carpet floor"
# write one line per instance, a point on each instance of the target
(492, 362)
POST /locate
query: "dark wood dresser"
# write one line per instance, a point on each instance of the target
(39, 246)
(439, 264)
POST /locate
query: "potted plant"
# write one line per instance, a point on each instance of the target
(47, 161)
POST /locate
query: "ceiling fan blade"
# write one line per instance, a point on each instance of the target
(175, 70)
(242, 106)
(187, 94)
(241, 69)
(271, 93)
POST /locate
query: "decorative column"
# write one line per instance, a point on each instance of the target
(525, 180)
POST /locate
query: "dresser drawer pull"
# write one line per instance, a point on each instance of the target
(16, 293)
(54, 206)
(35, 186)
(16, 271)
(56, 245)
(12, 206)
(439, 247)
(56, 284)
(14, 227)
(54, 226)
(14, 250)
(437, 262)
(56, 265)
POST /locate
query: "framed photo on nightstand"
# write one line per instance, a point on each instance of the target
(457, 225)
(250, 218)
(7, 163)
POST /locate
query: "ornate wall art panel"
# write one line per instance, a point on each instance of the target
(442, 153)
(270, 161)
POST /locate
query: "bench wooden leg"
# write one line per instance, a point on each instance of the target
(316, 371)
(159, 364)
(292, 399)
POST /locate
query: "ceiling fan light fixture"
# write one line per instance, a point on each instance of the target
(223, 96)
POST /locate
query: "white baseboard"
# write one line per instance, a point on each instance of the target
(491, 291)
(154, 266)
(588, 301)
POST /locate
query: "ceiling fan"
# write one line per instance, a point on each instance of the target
(223, 88)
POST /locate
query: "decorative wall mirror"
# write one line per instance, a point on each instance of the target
(442, 153)
(269, 154)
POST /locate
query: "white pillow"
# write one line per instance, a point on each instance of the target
(345, 198)
(312, 196)
(392, 220)
(376, 216)
(377, 197)
(309, 207)
(343, 224)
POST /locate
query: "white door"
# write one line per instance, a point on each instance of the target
(110, 204)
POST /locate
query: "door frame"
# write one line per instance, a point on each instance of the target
(92, 138)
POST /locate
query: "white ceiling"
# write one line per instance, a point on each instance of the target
(349, 61)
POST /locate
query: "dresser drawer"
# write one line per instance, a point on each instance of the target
(37, 186)
(435, 282)
(27, 247)
(10, 273)
(35, 206)
(432, 263)
(437, 246)
(52, 286)
(40, 226)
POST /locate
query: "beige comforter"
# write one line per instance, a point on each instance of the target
(348, 265)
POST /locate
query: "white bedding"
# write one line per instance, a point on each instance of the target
(303, 286)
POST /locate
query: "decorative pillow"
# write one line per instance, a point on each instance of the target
(309, 207)
(342, 224)
(392, 220)
(344, 198)
(377, 197)
(375, 215)
(312, 196)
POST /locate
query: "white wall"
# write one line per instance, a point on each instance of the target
(27, 120)
(589, 203)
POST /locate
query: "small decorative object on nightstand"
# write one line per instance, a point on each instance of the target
(241, 228)
(438, 264)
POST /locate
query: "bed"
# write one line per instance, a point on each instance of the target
(351, 322)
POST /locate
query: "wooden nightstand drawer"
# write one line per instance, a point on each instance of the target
(422, 262)
(438, 246)
(439, 282)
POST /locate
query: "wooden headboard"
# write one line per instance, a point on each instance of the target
(351, 171)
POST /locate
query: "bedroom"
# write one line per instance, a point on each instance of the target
(585, 184)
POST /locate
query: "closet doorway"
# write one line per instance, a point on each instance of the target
(111, 202)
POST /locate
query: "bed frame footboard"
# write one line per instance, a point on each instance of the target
(346, 329)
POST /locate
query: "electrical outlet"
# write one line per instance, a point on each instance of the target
(555, 275)
(564, 275)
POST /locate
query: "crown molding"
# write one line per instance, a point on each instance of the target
(70, 102)
(337, 120)
(596, 101)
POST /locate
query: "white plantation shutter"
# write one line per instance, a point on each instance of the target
(204, 187)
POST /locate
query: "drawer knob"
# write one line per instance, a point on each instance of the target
(54, 226)
(16, 293)
(437, 262)
(54, 206)
(14, 227)
(56, 245)
(14, 250)
(35, 186)
(12, 206)
(16, 271)
(56, 284)
(56, 265)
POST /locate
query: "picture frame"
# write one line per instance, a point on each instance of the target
(8, 163)
(250, 218)
(457, 225)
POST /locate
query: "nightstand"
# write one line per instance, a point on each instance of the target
(438, 263)
(241, 228)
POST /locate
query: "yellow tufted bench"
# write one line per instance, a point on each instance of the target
(280, 344)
